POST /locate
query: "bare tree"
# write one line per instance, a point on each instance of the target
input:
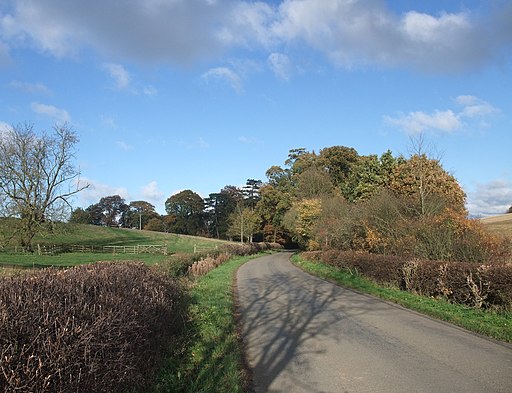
(37, 177)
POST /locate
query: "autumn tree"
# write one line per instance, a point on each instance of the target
(37, 177)
(244, 222)
(301, 219)
(313, 182)
(187, 208)
(426, 182)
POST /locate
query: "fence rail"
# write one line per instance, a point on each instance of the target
(204, 248)
(80, 248)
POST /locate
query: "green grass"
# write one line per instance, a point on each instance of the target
(208, 358)
(99, 237)
(490, 323)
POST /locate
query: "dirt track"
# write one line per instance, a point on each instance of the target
(306, 335)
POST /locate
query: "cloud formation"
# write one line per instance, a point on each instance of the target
(57, 114)
(494, 197)
(226, 75)
(472, 108)
(96, 191)
(121, 77)
(280, 65)
(151, 193)
(30, 88)
(349, 33)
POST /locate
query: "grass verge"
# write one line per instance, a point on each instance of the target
(497, 325)
(209, 357)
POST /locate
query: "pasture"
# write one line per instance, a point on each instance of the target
(101, 238)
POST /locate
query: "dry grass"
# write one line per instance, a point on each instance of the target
(501, 224)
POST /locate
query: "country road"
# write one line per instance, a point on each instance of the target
(304, 334)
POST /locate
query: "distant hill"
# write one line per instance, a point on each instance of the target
(501, 224)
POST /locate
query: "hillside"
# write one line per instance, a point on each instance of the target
(501, 224)
(97, 236)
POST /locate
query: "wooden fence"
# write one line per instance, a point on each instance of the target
(79, 248)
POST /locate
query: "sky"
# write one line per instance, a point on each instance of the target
(167, 95)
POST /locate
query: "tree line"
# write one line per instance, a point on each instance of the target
(335, 198)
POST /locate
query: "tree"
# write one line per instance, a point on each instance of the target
(313, 182)
(509, 210)
(244, 222)
(251, 192)
(139, 213)
(432, 188)
(187, 207)
(80, 216)
(272, 207)
(219, 206)
(37, 177)
(113, 211)
(301, 220)
(155, 224)
(338, 162)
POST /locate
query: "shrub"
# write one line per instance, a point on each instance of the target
(93, 328)
(475, 285)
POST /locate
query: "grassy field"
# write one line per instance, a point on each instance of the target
(497, 325)
(501, 224)
(90, 235)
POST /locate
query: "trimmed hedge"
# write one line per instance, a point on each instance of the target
(475, 285)
(92, 328)
(199, 263)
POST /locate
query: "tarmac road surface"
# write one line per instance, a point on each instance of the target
(304, 334)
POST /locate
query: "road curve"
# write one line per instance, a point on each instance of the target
(304, 334)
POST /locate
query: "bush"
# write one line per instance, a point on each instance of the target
(95, 328)
(475, 285)
(179, 265)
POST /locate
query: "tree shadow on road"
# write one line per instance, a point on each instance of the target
(281, 315)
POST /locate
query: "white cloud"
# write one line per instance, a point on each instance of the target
(473, 108)
(280, 65)
(97, 190)
(418, 122)
(121, 77)
(226, 75)
(494, 197)
(151, 193)
(31, 88)
(58, 114)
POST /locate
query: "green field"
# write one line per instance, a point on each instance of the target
(90, 235)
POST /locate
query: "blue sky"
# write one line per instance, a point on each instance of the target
(167, 95)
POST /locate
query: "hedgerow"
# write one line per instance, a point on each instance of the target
(200, 263)
(475, 285)
(92, 328)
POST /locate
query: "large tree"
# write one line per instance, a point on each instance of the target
(187, 208)
(219, 206)
(139, 214)
(37, 177)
